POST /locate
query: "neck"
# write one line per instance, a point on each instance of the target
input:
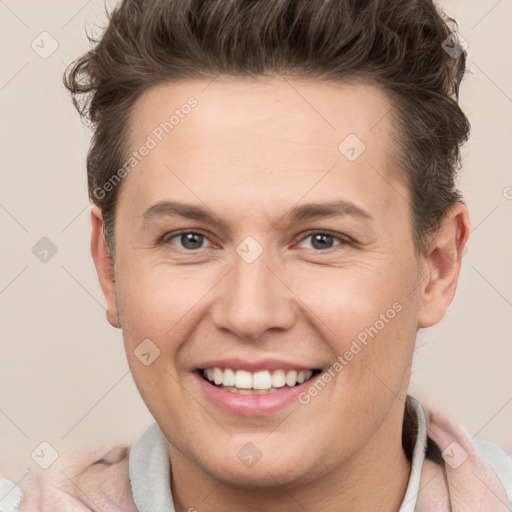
(374, 479)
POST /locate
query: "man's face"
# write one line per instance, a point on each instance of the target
(257, 288)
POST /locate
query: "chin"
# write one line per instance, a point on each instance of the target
(275, 470)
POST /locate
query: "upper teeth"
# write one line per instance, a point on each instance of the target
(243, 379)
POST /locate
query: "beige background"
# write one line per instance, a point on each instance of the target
(63, 375)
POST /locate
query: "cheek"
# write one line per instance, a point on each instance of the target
(348, 300)
(154, 302)
(164, 305)
(368, 317)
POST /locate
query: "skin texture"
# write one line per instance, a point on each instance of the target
(249, 152)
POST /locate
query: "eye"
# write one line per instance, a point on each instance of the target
(324, 240)
(190, 240)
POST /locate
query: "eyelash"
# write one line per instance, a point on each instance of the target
(343, 240)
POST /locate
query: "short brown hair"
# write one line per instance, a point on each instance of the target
(396, 45)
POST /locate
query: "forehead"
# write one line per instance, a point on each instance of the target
(228, 109)
(254, 140)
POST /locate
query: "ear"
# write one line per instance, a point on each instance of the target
(104, 265)
(443, 263)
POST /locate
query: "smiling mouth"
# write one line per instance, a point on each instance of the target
(256, 383)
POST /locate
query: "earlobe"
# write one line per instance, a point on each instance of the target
(104, 266)
(442, 266)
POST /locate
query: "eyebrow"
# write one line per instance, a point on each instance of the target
(177, 209)
(299, 213)
(330, 209)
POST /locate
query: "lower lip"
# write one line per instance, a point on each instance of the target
(253, 405)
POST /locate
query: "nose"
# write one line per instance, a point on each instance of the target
(252, 299)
